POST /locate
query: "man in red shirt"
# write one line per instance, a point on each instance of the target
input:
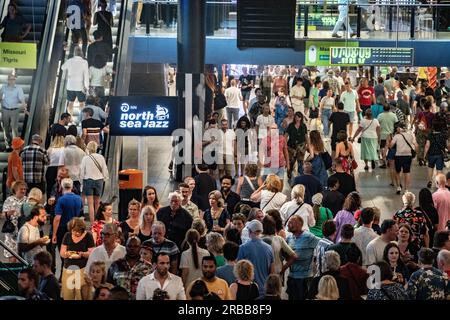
(366, 95)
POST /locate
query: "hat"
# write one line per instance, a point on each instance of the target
(330, 72)
(36, 137)
(255, 226)
(17, 142)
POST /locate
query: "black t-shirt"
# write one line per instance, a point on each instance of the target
(342, 248)
(307, 85)
(219, 101)
(346, 183)
(231, 201)
(176, 225)
(333, 200)
(340, 121)
(92, 123)
(50, 286)
(204, 184)
(312, 186)
(245, 81)
(58, 130)
(82, 246)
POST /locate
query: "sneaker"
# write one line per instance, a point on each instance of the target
(429, 184)
(335, 35)
(353, 34)
(399, 190)
(366, 168)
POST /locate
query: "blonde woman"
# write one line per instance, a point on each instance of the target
(146, 220)
(95, 279)
(297, 206)
(93, 172)
(328, 289)
(76, 248)
(214, 244)
(269, 194)
(34, 198)
(55, 152)
(244, 288)
(217, 217)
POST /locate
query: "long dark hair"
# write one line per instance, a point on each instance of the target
(192, 237)
(386, 253)
(144, 197)
(101, 209)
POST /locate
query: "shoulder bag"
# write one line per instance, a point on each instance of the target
(370, 124)
(292, 214)
(99, 167)
(413, 152)
(269, 200)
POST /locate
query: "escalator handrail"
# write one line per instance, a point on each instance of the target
(45, 50)
(19, 258)
(4, 12)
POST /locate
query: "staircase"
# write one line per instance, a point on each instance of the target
(34, 12)
(76, 116)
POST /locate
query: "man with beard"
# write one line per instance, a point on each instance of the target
(127, 272)
(175, 218)
(186, 203)
(231, 198)
(27, 282)
(29, 239)
(161, 279)
(213, 283)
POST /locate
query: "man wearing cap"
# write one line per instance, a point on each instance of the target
(15, 168)
(34, 160)
(12, 100)
(259, 253)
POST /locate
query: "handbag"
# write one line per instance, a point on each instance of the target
(413, 152)
(8, 226)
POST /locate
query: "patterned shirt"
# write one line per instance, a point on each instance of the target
(37, 295)
(429, 284)
(34, 160)
(318, 256)
(393, 291)
(122, 274)
(416, 220)
(168, 247)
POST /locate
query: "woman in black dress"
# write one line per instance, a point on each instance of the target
(104, 20)
(244, 288)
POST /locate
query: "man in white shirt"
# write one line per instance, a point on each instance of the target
(226, 151)
(364, 234)
(77, 79)
(162, 279)
(297, 94)
(233, 96)
(375, 248)
(351, 104)
(71, 159)
(28, 239)
(109, 251)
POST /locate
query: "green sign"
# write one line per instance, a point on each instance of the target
(317, 53)
(371, 56)
(18, 55)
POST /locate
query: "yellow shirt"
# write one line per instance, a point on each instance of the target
(218, 286)
(422, 73)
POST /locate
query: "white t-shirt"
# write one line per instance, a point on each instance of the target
(349, 100)
(100, 254)
(298, 92)
(375, 250)
(276, 203)
(328, 102)
(54, 155)
(188, 263)
(362, 238)
(263, 123)
(401, 146)
(29, 234)
(97, 76)
(305, 211)
(227, 143)
(89, 169)
(233, 96)
(71, 159)
(77, 73)
(369, 127)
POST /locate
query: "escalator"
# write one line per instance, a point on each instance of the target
(35, 13)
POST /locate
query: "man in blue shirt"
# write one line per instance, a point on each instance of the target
(68, 206)
(301, 271)
(12, 100)
(259, 253)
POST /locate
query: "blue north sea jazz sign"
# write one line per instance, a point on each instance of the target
(143, 116)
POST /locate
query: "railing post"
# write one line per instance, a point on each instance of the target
(390, 18)
(305, 28)
(413, 22)
(358, 22)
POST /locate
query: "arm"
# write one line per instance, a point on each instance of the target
(184, 275)
(239, 185)
(427, 148)
(256, 196)
(56, 222)
(356, 133)
(63, 252)
(286, 156)
(24, 237)
(233, 291)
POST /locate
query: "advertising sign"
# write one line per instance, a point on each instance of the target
(18, 55)
(143, 116)
(371, 56)
(317, 53)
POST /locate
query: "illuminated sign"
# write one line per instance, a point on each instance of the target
(318, 52)
(18, 55)
(143, 116)
(371, 56)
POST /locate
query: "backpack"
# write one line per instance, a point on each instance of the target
(327, 160)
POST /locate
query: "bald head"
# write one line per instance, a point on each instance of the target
(440, 180)
(443, 260)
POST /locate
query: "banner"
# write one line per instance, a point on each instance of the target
(18, 55)
(317, 53)
(143, 116)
